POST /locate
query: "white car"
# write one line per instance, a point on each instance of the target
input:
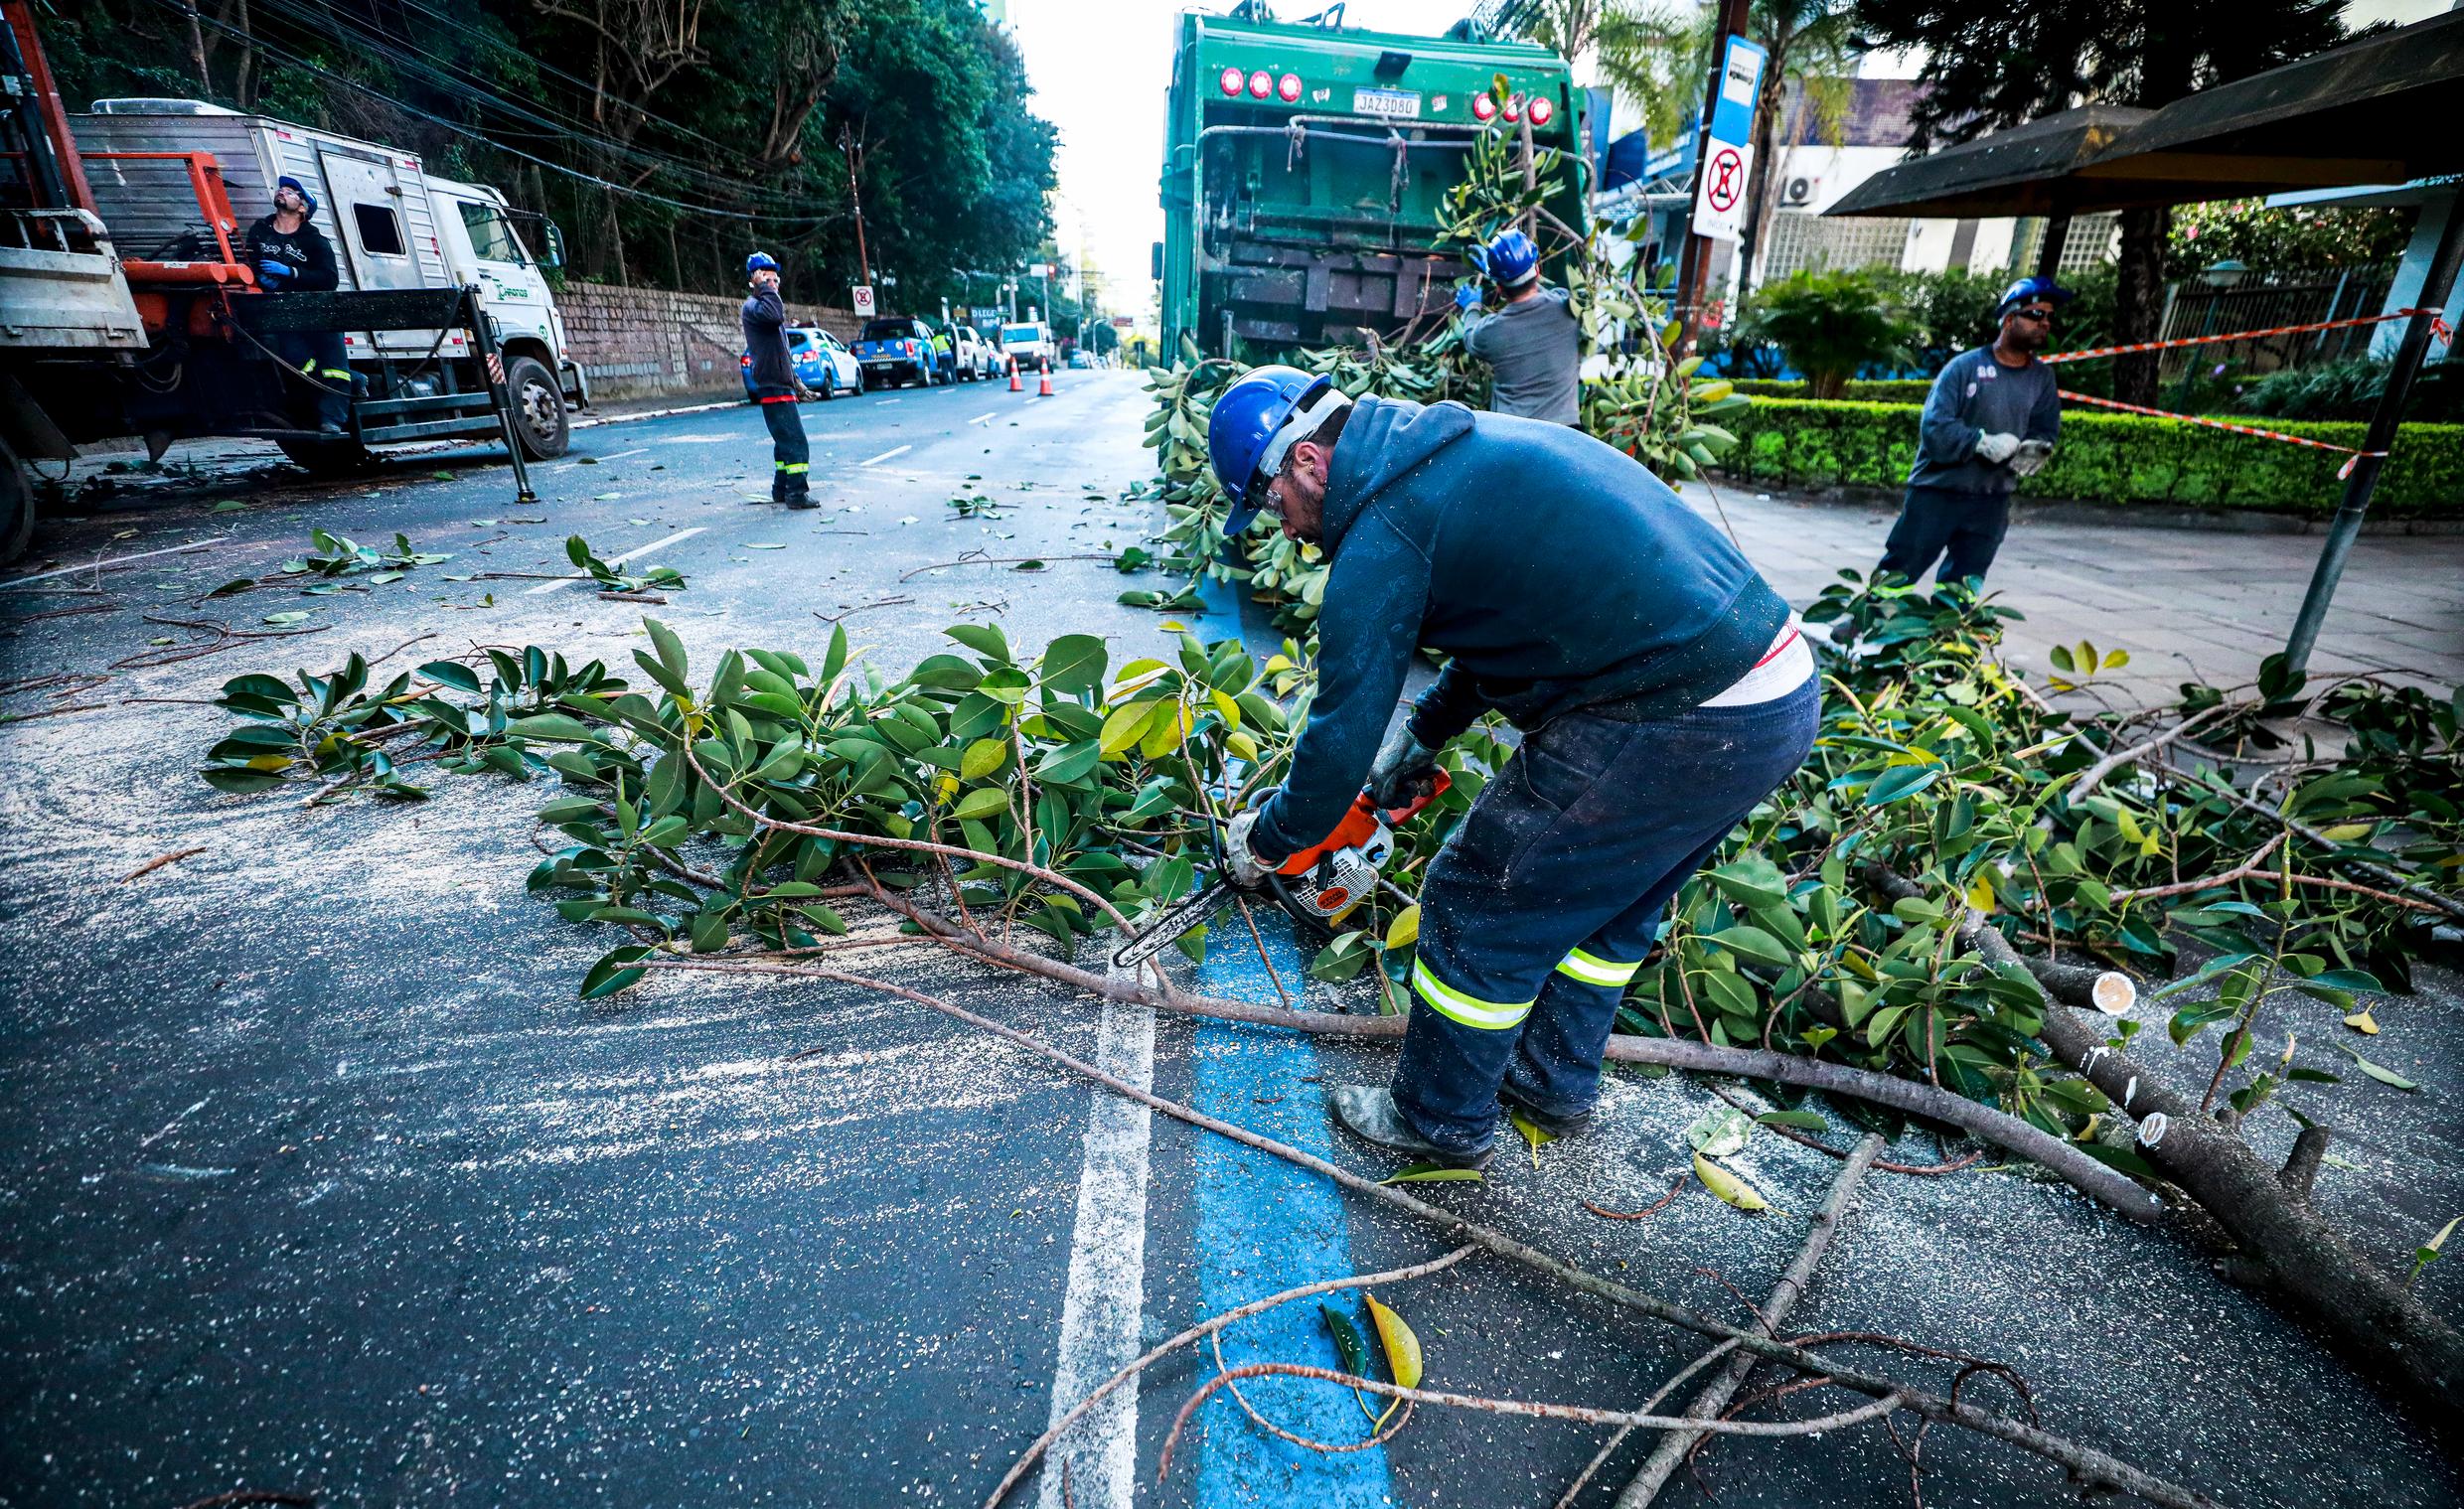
(1028, 343)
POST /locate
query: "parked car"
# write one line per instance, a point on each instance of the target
(976, 358)
(898, 349)
(1029, 342)
(1079, 361)
(822, 364)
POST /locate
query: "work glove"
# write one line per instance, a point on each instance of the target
(1994, 450)
(1247, 871)
(1468, 298)
(2033, 454)
(270, 271)
(1404, 768)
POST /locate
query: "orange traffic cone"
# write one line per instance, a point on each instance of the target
(1015, 385)
(1044, 386)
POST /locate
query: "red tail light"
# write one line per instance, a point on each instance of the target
(1514, 107)
(1231, 81)
(1261, 83)
(1541, 112)
(1483, 108)
(1288, 87)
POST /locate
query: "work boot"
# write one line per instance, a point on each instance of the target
(1369, 1112)
(329, 428)
(800, 498)
(1548, 1121)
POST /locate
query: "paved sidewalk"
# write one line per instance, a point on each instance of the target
(2187, 604)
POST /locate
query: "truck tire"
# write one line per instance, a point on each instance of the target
(16, 507)
(540, 423)
(330, 458)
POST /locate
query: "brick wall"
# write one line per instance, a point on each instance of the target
(638, 343)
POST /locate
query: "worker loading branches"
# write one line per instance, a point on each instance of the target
(1660, 686)
(1532, 343)
(1992, 418)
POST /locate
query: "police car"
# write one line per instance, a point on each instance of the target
(822, 364)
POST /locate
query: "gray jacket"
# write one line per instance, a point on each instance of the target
(1535, 347)
(1973, 398)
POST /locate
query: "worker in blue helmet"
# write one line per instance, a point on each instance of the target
(290, 254)
(1661, 689)
(1532, 345)
(776, 388)
(1992, 418)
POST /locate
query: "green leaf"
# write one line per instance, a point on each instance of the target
(2380, 1072)
(459, 677)
(1799, 1120)
(610, 973)
(1074, 662)
(984, 639)
(1432, 1173)
(1751, 942)
(981, 803)
(1901, 782)
(982, 757)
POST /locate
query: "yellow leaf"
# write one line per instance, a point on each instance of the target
(1405, 928)
(1275, 662)
(982, 757)
(1166, 729)
(2087, 1133)
(1241, 745)
(1122, 727)
(1981, 893)
(945, 788)
(1533, 1134)
(2344, 832)
(2364, 1023)
(1230, 709)
(1402, 1348)
(1728, 1186)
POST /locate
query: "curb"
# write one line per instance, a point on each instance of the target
(2152, 515)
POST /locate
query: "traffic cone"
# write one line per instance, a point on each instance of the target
(1015, 385)
(1043, 386)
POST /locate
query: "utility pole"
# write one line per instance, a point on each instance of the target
(853, 151)
(1694, 263)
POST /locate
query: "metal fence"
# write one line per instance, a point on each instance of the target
(2198, 309)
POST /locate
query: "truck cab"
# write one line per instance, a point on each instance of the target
(483, 246)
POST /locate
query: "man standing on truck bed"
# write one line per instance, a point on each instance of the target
(1532, 345)
(292, 255)
(775, 385)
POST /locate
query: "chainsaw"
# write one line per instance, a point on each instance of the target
(1316, 885)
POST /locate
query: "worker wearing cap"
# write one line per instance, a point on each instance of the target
(776, 388)
(1992, 418)
(1532, 345)
(1661, 688)
(291, 256)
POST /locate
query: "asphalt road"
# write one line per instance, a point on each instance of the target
(317, 1176)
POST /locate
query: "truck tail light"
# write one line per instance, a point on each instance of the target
(1514, 107)
(1483, 108)
(1541, 112)
(1231, 81)
(1288, 88)
(1261, 83)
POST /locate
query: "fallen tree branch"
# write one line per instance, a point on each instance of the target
(2087, 781)
(1715, 1396)
(2381, 1325)
(2088, 1464)
(2242, 871)
(2394, 880)
(1204, 1328)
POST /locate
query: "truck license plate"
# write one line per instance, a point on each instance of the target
(1396, 105)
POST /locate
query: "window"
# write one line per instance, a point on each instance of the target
(1800, 240)
(381, 230)
(491, 236)
(888, 329)
(796, 340)
(1014, 333)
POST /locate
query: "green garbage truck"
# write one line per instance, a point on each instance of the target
(1306, 164)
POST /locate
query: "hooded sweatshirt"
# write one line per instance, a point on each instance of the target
(1555, 570)
(764, 318)
(305, 251)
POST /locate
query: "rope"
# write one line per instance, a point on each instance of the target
(2438, 325)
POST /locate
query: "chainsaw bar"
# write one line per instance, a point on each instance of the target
(1173, 923)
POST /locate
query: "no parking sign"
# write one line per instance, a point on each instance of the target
(1720, 183)
(860, 295)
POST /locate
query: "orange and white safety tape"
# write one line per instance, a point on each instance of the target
(2351, 456)
(2438, 325)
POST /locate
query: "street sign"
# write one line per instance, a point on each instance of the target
(1720, 184)
(861, 297)
(1123, 321)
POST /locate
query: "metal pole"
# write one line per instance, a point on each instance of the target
(491, 367)
(1694, 264)
(2383, 424)
(2049, 251)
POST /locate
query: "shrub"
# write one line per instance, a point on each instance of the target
(2109, 458)
(1857, 389)
(1832, 325)
(2351, 388)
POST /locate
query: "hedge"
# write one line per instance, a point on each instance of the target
(1858, 390)
(2109, 458)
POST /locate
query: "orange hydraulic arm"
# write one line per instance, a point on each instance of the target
(47, 99)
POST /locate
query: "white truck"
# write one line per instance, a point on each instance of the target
(393, 224)
(1028, 343)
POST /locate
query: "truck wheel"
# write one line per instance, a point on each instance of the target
(540, 420)
(16, 507)
(330, 458)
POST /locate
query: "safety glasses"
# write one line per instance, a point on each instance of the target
(2037, 316)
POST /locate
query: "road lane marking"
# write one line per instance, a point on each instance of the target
(601, 460)
(984, 419)
(615, 560)
(884, 456)
(1105, 1304)
(96, 565)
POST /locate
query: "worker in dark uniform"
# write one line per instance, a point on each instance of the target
(1660, 686)
(1992, 418)
(776, 388)
(1532, 345)
(291, 256)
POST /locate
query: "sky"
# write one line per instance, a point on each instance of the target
(1099, 69)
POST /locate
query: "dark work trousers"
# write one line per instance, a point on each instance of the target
(1543, 904)
(1964, 529)
(791, 459)
(318, 356)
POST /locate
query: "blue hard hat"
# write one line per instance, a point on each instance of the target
(1510, 261)
(760, 261)
(1243, 424)
(2031, 288)
(306, 199)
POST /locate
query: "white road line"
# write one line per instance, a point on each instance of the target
(984, 419)
(96, 565)
(615, 560)
(884, 456)
(1106, 1302)
(601, 460)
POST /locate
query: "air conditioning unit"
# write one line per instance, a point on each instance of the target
(1799, 190)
